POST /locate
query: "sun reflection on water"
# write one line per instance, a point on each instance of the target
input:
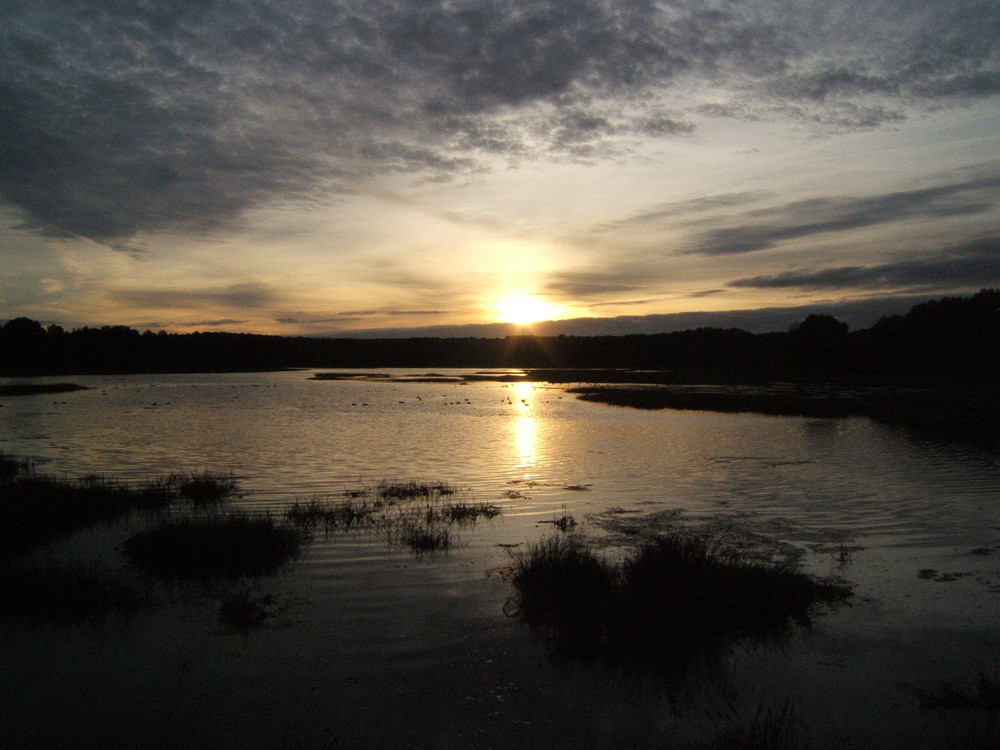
(525, 426)
(525, 439)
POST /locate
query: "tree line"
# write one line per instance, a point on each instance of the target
(948, 337)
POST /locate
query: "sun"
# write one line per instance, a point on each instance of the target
(525, 309)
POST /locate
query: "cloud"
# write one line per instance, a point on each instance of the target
(123, 119)
(971, 265)
(238, 296)
(691, 209)
(622, 278)
(860, 313)
(765, 229)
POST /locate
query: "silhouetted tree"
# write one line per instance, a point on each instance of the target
(819, 344)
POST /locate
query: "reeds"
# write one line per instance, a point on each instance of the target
(36, 510)
(205, 488)
(666, 603)
(234, 545)
(239, 612)
(411, 513)
(11, 466)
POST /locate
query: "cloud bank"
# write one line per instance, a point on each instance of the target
(128, 118)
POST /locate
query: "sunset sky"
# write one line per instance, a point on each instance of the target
(307, 167)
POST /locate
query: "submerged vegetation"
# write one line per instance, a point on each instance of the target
(671, 601)
(68, 593)
(206, 488)
(410, 513)
(234, 545)
(37, 509)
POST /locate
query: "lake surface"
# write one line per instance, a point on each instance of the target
(375, 646)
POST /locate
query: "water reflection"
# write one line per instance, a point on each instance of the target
(525, 440)
(525, 426)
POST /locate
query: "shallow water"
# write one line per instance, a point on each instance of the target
(378, 647)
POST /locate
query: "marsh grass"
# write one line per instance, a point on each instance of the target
(410, 514)
(11, 466)
(469, 512)
(354, 512)
(36, 510)
(671, 601)
(240, 612)
(412, 490)
(234, 545)
(63, 593)
(206, 488)
(423, 539)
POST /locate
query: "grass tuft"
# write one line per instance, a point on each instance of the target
(666, 603)
(236, 545)
(411, 514)
(469, 512)
(354, 512)
(239, 612)
(206, 488)
(422, 539)
(412, 490)
(11, 466)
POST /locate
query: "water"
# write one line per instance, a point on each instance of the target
(376, 647)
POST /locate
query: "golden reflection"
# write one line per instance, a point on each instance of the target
(525, 425)
(525, 439)
(522, 392)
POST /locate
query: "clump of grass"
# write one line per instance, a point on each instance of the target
(985, 697)
(566, 589)
(65, 593)
(669, 601)
(422, 539)
(411, 514)
(206, 488)
(355, 512)
(235, 545)
(240, 612)
(36, 510)
(412, 490)
(469, 512)
(11, 466)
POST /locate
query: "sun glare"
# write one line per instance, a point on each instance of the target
(524, 309)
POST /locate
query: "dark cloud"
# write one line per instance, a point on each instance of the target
(622, 278)
(692, 210)
(240, 296)
(972, 265)
(121, 118)
(352, 316)
(767, 228)
(860, 313)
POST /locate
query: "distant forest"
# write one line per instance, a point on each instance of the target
(952, 337)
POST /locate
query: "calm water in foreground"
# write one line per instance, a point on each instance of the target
(373, 646)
